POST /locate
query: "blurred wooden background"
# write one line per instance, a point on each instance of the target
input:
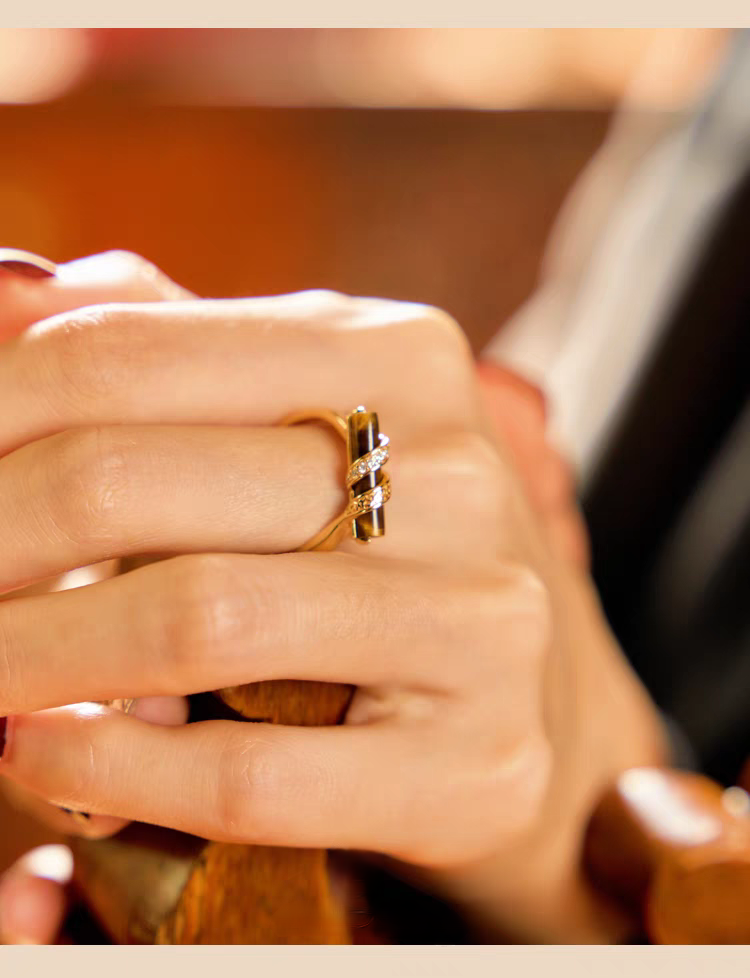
(446, 207)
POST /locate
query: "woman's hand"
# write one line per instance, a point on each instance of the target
(492, 703)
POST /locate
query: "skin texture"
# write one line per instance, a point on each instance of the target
(493, 705)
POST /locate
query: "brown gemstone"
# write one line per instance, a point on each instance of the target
(364, 431)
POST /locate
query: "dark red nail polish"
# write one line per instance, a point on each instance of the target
(26, 264)
(3, 728)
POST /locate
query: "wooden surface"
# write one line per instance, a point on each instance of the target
(257, 895)
(674, 848)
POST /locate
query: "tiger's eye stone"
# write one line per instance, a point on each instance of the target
(364, 430)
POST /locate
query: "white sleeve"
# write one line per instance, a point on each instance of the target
(625, 241)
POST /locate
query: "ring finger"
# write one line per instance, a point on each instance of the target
(204, 622)
(92, 494)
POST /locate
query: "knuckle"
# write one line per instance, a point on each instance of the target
(481, 460)
(325, 299)
(82, 358)
(317, 312)
(516, 784)
(424, 335)
(130, 264)
(88, 775)
(520, 789)
(87, 482)
(530, 610)
(532, 789)
(442, 346)
(446, 328)
(141, 277)
(245, 774)
(509, 779)
(477, 474)
(202, 619)
(507, 608)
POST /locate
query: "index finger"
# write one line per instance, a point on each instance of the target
(33, 288)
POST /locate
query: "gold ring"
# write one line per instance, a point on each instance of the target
(368, 485)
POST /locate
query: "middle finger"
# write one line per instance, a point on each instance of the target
(248, 361)
(204, 622)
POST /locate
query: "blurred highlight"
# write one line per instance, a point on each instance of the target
(38, 64)
(50, 862)
(439, 67)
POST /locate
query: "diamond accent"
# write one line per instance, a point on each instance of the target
(371, 462)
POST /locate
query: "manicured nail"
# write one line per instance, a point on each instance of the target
(3, 728)
(26, 264)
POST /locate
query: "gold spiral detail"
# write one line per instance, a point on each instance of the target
(372, 499)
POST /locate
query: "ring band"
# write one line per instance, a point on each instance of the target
(368, 485)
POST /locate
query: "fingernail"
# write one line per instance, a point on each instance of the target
(49, 862)
(3, 729)
(26, 264)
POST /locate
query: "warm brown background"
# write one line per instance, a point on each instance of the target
(450, 208)
(446, 207)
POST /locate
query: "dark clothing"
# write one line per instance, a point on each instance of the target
(668, 503)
